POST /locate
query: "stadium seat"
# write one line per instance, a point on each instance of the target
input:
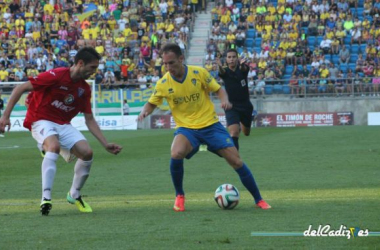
(289, 69)
(258, 42)
(343, 67)
(239, 5)
(251, 33)
(249, 42)
(319, 40)
(362, 48)
(286, 89)
(352, 66)
(353, 58)
(347, 40)
(335, 59)
(359, 12)
(268, 89)
(277, 89)
(239, 49)
(354, 48)
(311, 40)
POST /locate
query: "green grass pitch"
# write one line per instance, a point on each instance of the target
(310, 176)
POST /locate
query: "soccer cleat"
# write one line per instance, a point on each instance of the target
(45, 207)
(80, 203)
(203, 147)
(263, 204)
(179, 204)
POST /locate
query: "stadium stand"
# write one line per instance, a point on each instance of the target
(282, 31)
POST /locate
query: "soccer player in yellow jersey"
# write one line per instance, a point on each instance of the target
(186, 89)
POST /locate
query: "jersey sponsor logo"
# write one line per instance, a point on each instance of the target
(80, 92)
(64, 88)
(209, 79)
(51, 72)
(62, 106)
(171, 91)
(186, 99)
(69, 99)
(243, 82)
(194, 81)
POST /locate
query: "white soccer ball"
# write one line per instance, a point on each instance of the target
(227, 196)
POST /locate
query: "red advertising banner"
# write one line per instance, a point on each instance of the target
(167, 121)
(305, 119)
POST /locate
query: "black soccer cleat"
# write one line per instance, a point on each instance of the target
(45, 207)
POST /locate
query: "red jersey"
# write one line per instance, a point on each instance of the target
(57, 98)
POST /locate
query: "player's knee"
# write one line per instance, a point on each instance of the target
(247, 132)
(234, 133)
(54, 148)
(87, 154)
(178, 154)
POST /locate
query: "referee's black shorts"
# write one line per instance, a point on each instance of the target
(240, 113)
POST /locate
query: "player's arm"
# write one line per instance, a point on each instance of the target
(13, 99)
(220, 67)
(223, 97)
(93, 126)
(147, 110)
(243, 65)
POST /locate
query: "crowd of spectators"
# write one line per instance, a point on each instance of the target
(318, 46)
(40, 35)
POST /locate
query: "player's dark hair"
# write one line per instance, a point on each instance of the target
(232, 50)
(172, 47)
(87, 55)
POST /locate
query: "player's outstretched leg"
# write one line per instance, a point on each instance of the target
(249, 182)
(177, 172)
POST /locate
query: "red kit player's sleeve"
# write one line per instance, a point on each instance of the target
(87, 104)
(44, 80)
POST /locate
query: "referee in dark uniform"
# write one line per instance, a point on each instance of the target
(235, 80)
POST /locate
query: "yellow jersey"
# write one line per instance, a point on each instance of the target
(188, 98)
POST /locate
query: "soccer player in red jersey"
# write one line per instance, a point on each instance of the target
(58, 96)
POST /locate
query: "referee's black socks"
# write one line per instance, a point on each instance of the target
(236, 142)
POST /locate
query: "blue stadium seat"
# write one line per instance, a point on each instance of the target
(239, 50)
(289, 69)
(268, 89)
(354, 48)
(286, 89)
(353, 58)
(335, 59)
(251, 33)
(343, 67)
(258, 42)
(249, 42)
(347, 40)
(239, 5)
(319, 40)
(362, 48)
(359, 12)
(352, 66)
(311, 40)
(277, 89)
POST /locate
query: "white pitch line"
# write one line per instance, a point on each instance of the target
(191, 200)
(9, 147)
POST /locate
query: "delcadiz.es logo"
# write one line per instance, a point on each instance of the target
(343, 231)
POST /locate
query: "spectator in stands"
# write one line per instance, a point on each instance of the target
(344, 55)
(109, 79)
(293, 84)
(259, 86)
(356, 36)
(325, 45)
(99, 77)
